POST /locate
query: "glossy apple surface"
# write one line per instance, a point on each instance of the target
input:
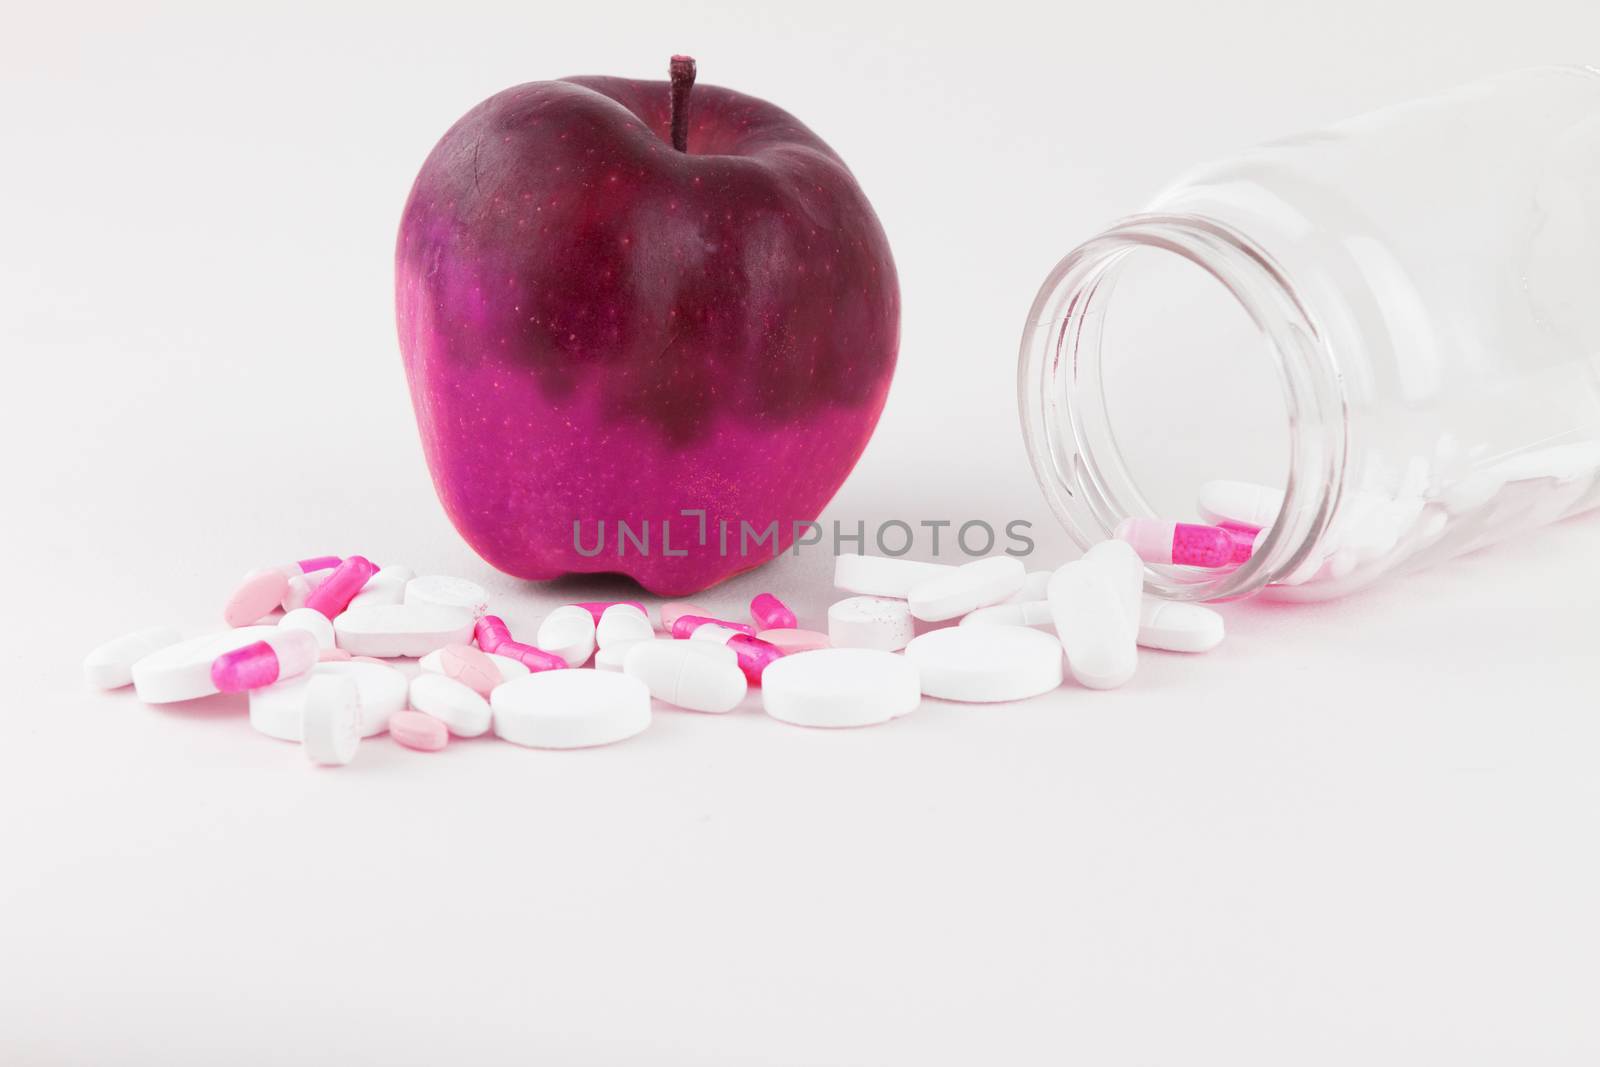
(598, 327)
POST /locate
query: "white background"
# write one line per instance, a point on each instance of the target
(1358, 833)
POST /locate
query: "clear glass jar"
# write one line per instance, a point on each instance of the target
(1395, 321)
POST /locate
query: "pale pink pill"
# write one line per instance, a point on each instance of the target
(340, 587)
(255, 597)
(792, 641)
(469, 666)
(673, 609)
(490, 633)
(685, 625)
(331, 655)
(415, 730)
(598, 608)
(770, 613)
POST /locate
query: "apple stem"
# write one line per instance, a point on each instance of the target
(682, 72)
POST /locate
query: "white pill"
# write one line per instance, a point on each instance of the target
(302, 586)
(1176, 626)
(442, 591)
(1023, 613)
(389, 630)
(967, 588)
(111, 665)
(883, 575)
(1246, 502)
(183, 671)
(622, 624)
(837, 687)
(509, 668)
(568, 632)
(388, 586)
(277, 710)
(685, 675)
(1035, 586)
(613, 656)
(986, 664)
(312, 622)
(1090, 612)
(570, 709)
(332, 720)
(870, 622)
(452, 703)
(1119, 560)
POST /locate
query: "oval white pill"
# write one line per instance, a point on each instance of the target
(986, 664)
(883, 575)
(613, 656)
(332, 720)
(1013, 613)
(568, 632)
(570, 709)
(682, 674)
(111, 665)
(870, 622)
(388, 586)
(452, 703)
(1090, 613)
(509, 668)
(385, 631)
(622, 624)
(443, 591)
(1245, 502)
(1176, 626)
(1121, 563)
(839, 687)
(183, 671)
(966, 588)
(312, 622)
(277, 710)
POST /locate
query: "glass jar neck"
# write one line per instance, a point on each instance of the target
(1067, 426)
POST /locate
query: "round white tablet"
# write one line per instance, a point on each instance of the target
(569, 633)
(183, 671)
(389, 630)
(277, 710)
(508, 667)
(870, 622)
(111, 665)
(621, 624)
(840, 687)
(452, 703)
(966, 588)
(570, 709)
(441, 591)
(332, 720)
(986, 664)
(312, 622)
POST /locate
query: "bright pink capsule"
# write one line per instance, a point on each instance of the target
(685, 625)
(279, 655)
(490, 633)
(340, 587)
(1245, 538)
(754, 654)
(535, 659)
(598, 608)
(770, 613)
(1185, 543)
(259, 592)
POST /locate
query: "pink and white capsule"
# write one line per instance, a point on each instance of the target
(685, 625)
(259, 592)
(770, 613)
(1185, 543)
(283, 654)
(754, 654)
(340, 587)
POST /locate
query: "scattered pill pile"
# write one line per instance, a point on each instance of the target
(317, 645)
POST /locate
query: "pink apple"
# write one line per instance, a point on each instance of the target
(601, 325)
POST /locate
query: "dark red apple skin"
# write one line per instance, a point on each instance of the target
(598, 327)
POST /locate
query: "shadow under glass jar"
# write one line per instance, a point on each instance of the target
(1395, 322)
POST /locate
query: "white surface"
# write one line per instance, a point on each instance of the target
(1360, 832)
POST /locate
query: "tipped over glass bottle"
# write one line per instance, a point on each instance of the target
(1392, 326)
